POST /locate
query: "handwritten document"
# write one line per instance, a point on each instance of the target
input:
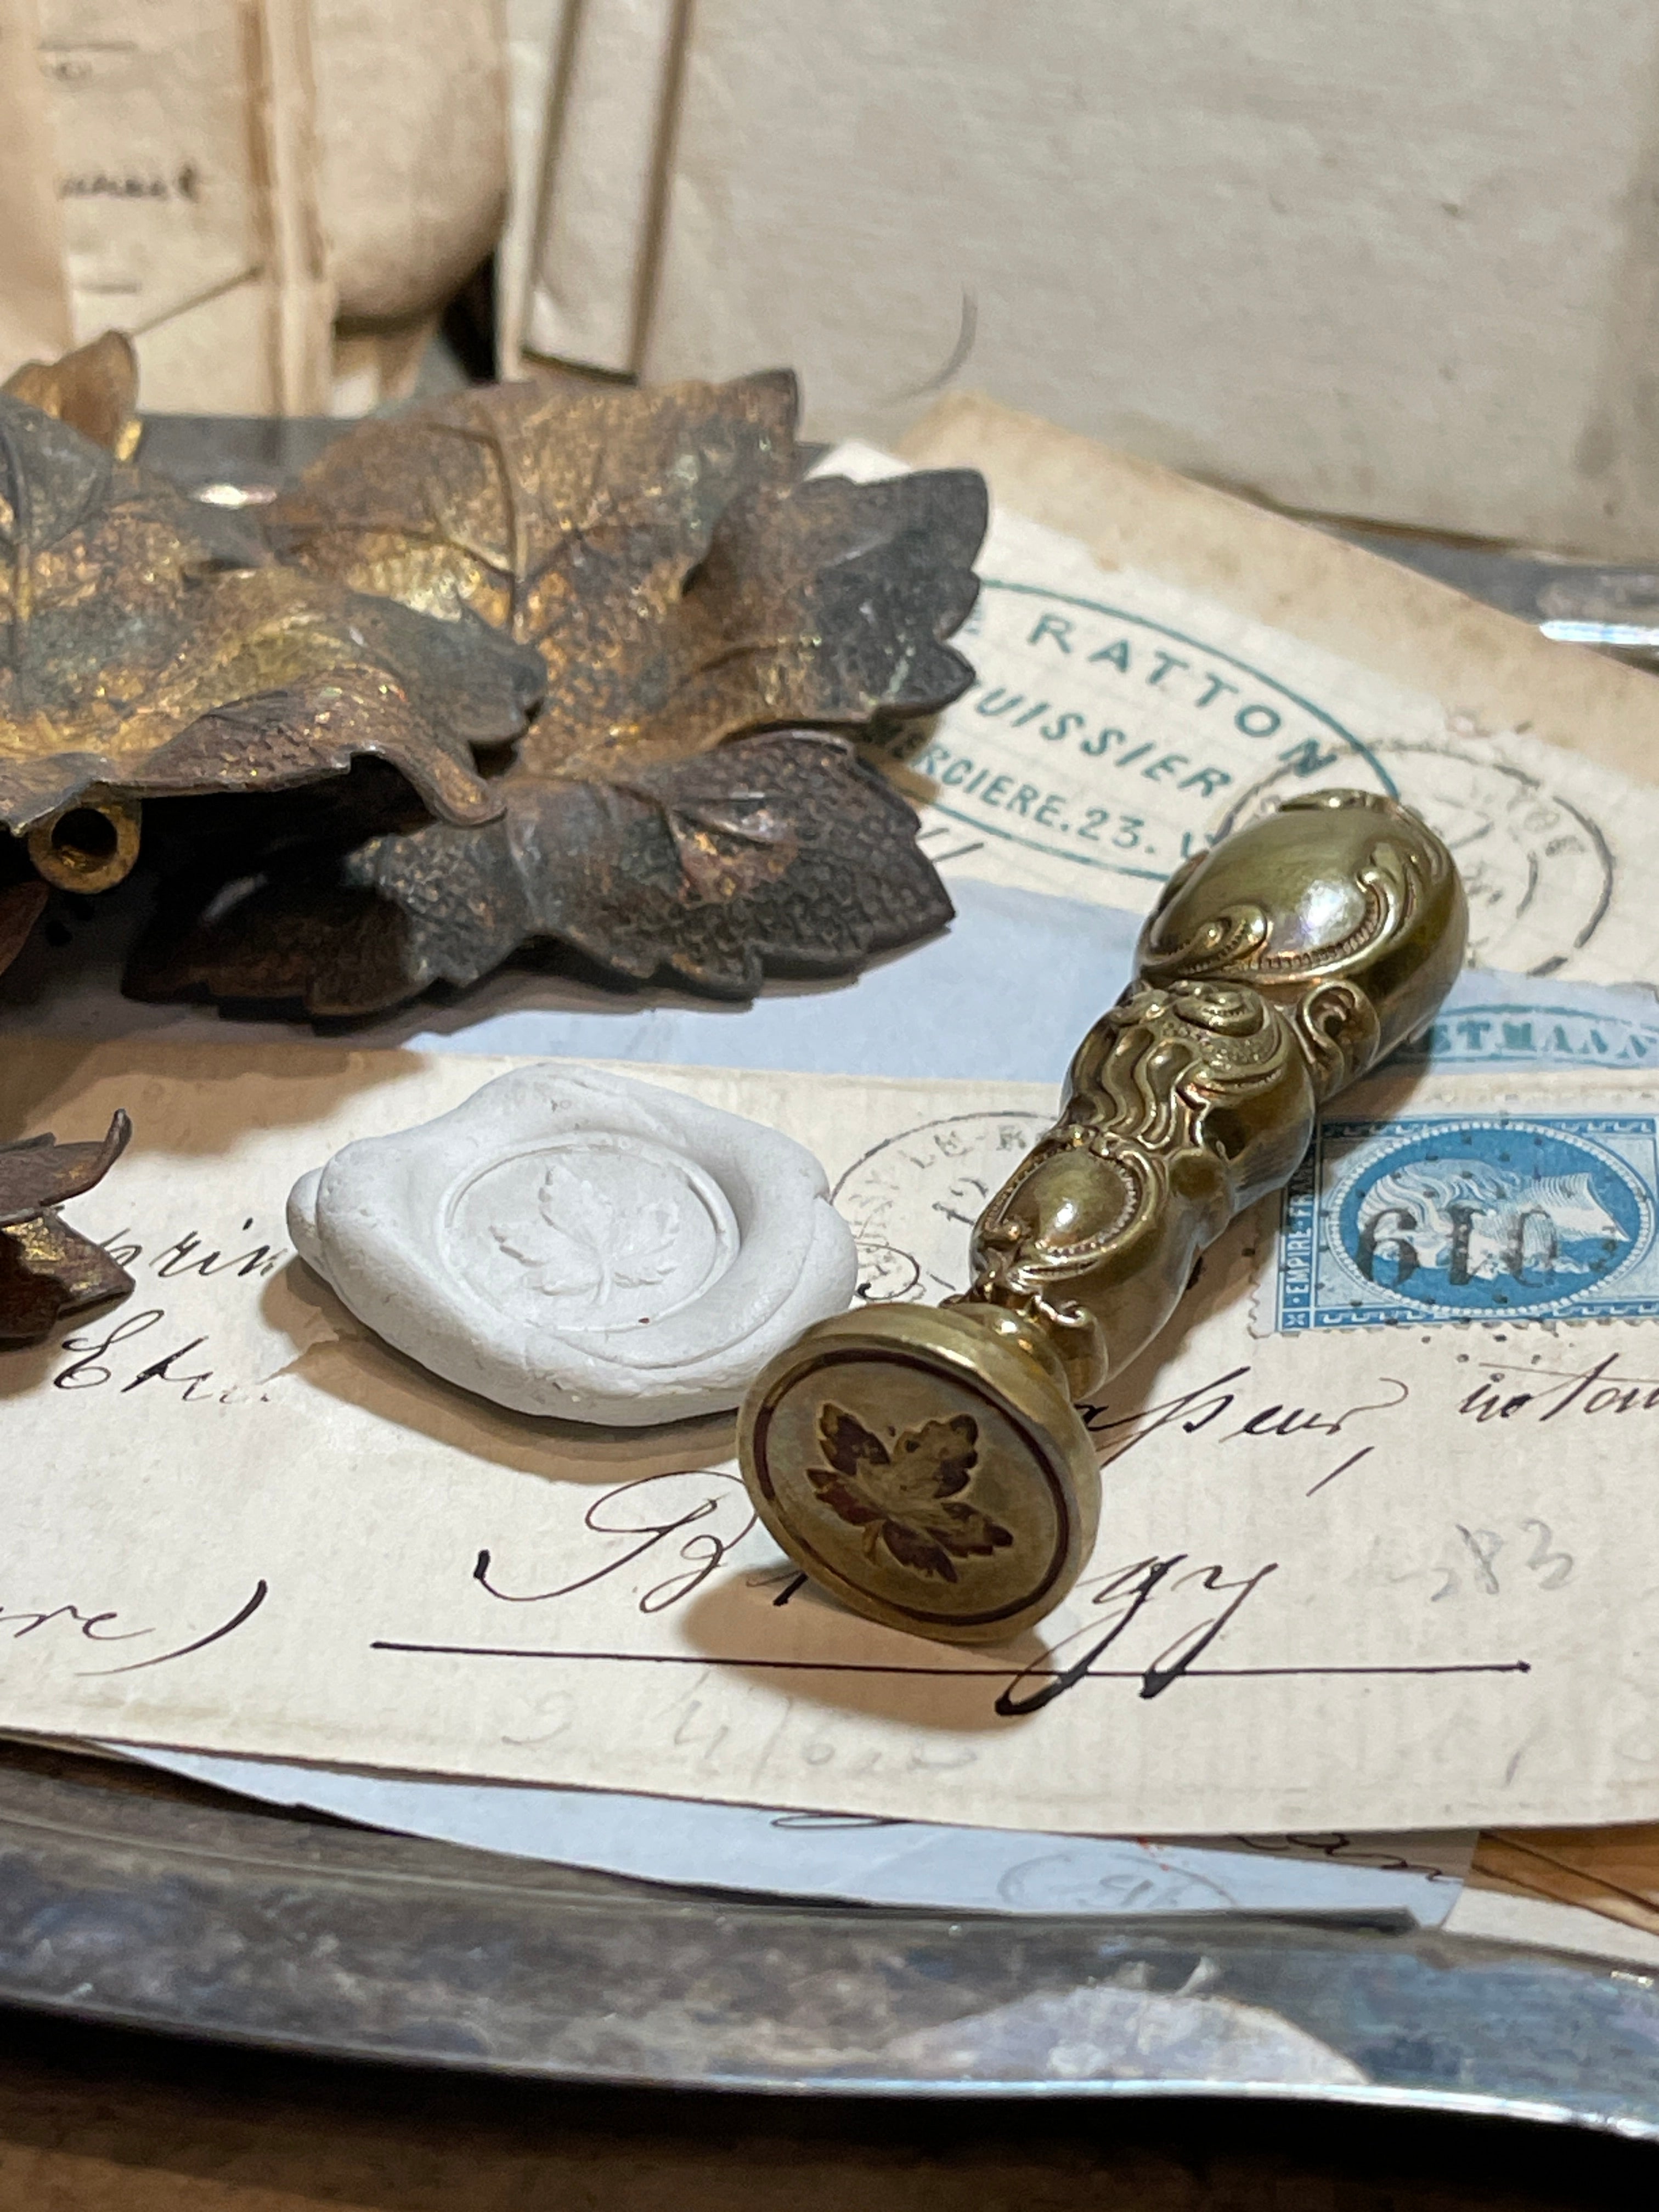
(1376, 1551)
(1121, 720)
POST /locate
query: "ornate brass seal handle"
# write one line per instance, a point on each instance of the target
(927, 1464)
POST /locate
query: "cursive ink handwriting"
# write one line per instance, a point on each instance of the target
(1196, 1410)
(1594, 1389)
(74, 1621)
(644, 1509)
(1344, 1850)
(90, 1370)
(1127, 1592)
(185, 1256)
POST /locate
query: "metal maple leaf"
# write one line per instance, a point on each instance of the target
(150, 645)
(906, 1496)
(660, 551)
(94, 390)
(47, 1269)
(783, 854)
(684, 588)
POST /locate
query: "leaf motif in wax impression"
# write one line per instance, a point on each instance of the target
(907, 1496)
(591, 1244)
(150, 646)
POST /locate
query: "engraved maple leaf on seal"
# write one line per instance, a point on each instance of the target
(906, 1496)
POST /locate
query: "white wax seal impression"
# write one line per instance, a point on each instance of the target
(574, 1242)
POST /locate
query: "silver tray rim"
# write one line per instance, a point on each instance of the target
(207, 1919)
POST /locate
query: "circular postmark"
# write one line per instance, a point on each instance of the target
(912, 1201)
(1538, 870)
(1482, 1217)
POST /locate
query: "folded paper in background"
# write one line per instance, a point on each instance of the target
(1170, 662)
(1357, 1576)
(35, 317)
(220, 177)
(1307, 249)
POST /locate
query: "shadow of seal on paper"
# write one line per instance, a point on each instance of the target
(1465, 1216)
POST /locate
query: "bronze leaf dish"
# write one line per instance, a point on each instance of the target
(153, 648)
(534, 668)
(685, 588)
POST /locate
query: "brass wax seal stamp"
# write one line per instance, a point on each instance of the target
(927, 1464)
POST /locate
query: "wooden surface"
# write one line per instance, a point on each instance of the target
(92, 2121)
(1611, 1871)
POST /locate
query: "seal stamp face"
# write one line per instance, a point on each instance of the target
(911, 1462)
(1472, 1217)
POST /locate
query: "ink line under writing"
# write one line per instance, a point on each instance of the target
(964, 1674)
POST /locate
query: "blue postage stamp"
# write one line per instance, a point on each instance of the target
(1472, 1217)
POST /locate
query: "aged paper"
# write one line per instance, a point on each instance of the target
(598, 225)
(1196, 660)
(223, 167)
(155, 124)
(534, 43)
(185, 167)
(1376, 1551)
(1489, 672)
(295, 271)
(1385, 262)
(709, 1846)
(35, 322)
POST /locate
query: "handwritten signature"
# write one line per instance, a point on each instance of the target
(670, 1517)
(1121, 1595)
(649, 1513)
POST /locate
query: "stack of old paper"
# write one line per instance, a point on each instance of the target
(227, 180)
(1373, 1571)
(1306, 250)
